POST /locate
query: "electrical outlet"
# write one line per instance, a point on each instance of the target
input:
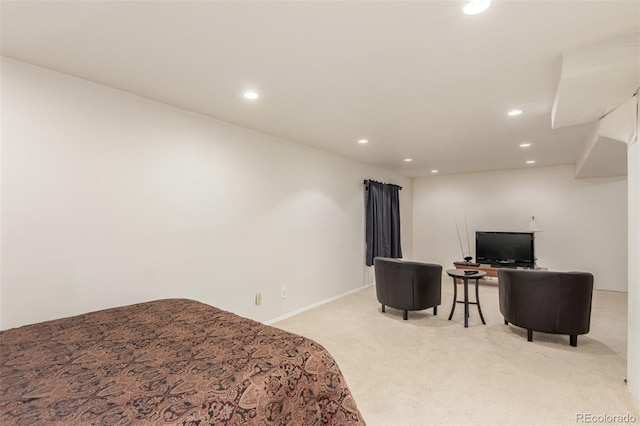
(258, 299)
(283, 293)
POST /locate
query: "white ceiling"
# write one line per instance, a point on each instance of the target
(418, 79)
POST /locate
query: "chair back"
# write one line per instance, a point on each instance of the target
(547, 301)
(408, 285)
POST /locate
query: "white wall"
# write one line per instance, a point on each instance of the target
(584, 221)
(110, 199)
(633, 341)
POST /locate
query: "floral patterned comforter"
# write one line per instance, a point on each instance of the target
(173, 361)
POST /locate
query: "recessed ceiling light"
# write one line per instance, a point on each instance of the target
(514, 112)
(252, 96)
(525, 145)
(473, 7)
(531, 161)
(434, 171)
(408, 160)
(363, 141)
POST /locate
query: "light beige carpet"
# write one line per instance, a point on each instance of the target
(429, 370)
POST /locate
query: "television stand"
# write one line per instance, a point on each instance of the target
(491, 271)
(467, 263)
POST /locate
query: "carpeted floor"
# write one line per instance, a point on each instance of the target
(430, 371)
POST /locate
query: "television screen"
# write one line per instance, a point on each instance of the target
(505, 248)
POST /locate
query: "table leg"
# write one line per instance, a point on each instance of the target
(466, 302)
(478, 302)
(455, 298)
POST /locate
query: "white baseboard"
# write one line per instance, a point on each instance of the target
(314, 305)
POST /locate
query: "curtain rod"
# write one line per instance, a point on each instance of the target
(366, 182)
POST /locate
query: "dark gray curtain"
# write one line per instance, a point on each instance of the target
(383, 221)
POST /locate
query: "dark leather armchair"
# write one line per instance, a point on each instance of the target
(551, 302)
(409, 286)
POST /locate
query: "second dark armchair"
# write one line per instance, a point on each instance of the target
(408, 286)
(551, 302)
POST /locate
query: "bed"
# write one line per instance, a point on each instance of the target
(171, 361)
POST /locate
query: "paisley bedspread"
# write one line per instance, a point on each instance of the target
(172, 361)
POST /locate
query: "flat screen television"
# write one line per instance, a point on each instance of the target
(505, 249)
